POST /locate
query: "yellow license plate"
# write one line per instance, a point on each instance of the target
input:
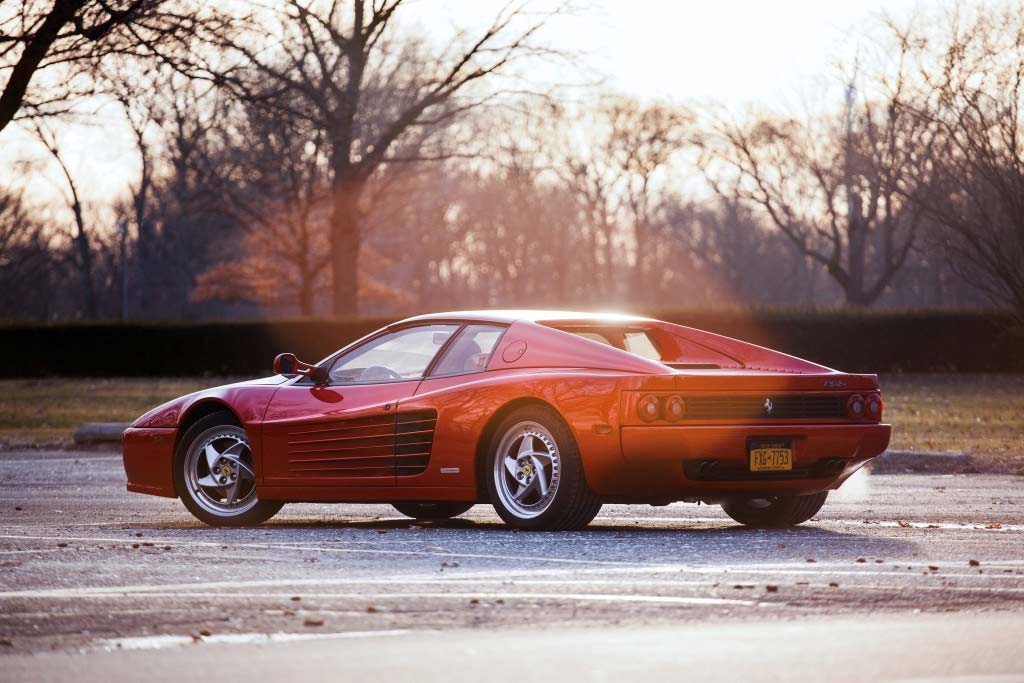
(776, 456)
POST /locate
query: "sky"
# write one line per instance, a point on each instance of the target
(741, 53)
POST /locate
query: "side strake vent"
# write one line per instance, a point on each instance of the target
(785, 407)
(414, 437)
(378, 446)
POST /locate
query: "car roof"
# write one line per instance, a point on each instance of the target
(529, 315)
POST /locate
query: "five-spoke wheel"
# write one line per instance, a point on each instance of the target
(535, 475)
(215, 476)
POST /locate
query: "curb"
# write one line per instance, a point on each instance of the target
(100, 432)
(921, 462)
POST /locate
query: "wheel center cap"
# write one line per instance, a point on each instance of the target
(225, 470)
(527, 470)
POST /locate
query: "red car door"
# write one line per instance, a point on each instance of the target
(350, 431)
(332, 435)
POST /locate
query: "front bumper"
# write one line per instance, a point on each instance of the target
(149, 459)
(665, 461)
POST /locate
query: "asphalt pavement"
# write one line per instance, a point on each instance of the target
(900, 577)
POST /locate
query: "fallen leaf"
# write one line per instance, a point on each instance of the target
(833, 584)
(296, 598)
(62, 545)
(135, 545)
(933, 568)
(205, 632)
(371, 609)
(811, 560)
(313, 622)
(771, 589)
(904, 525)
(449, 564)
(974, 563)
(995, 525)
(861, 560)
(474, 601)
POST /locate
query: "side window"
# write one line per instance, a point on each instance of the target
(394, 357)
(470, 351)
(641, 344)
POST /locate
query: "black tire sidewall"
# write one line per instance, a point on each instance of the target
(784, 510)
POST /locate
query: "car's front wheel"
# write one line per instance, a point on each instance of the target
(780, 511)
(215, 476)
(432, 511)
(534, 473)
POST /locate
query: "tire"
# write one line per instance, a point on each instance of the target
(555, 495)
(196, 480)
(783, 511)
(432, 511)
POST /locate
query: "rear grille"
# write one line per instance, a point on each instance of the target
(378, 446)
(787, 407)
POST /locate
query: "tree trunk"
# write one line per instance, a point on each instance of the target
(345, 241)
(305, 291)
(81, 242)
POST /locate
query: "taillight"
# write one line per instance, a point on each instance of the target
(855, 407)
(874, 406)
(649, 408)
(675, 408)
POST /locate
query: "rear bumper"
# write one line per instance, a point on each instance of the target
(148, 460)
(666, 461)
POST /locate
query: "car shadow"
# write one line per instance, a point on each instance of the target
(605, 540)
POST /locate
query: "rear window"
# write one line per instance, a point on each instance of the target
(637, 342)
(641, 344)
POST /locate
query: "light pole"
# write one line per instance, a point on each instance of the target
(122, 228)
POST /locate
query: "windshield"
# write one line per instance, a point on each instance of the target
(397, 356)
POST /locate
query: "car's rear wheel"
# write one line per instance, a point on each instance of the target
(780, 511)
(214, 474)
(535, 475)
(428, 511)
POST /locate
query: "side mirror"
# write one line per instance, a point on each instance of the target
(287, 364)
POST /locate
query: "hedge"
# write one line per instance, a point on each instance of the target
(854, 341)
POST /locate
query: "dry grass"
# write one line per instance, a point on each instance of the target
(47, 411)
(978, 414)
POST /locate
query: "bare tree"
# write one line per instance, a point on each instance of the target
(350, 76)
(620, 169)
(974, 73)
(82, 248)
(26, 260)
(63, 41)
(833, 184)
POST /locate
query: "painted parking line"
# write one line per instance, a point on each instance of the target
(170, 641)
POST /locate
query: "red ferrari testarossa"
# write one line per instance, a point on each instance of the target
(545, 415)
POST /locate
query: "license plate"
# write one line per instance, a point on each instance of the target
(774, 455)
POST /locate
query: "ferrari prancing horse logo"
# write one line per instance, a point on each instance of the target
(768, 407)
